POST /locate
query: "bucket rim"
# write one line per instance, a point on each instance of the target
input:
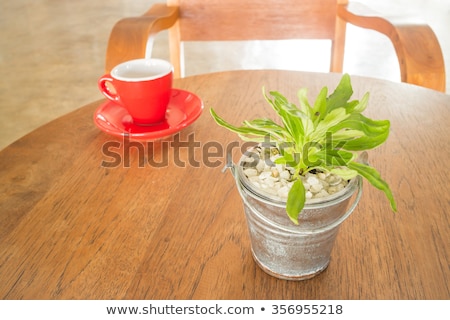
(342, 195)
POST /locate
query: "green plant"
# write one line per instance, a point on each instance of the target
(325, 136)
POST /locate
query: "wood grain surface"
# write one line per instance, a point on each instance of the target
(71, 228)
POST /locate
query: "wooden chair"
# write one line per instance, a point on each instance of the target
(417, 48)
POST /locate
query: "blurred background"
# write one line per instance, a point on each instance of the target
(52, 53)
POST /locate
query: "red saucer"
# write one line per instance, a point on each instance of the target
(184, 108)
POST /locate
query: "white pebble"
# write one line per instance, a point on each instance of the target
(324, 184)
(280, 167)
(321, 176)
(250, 172)
(269, 182)
(312, 180)
(283, 192)
(334, 180)
(275, 173)
(260, 166)
(315, 188)
(332, 189)
(321, 194)
(264, 175)
(285, 175)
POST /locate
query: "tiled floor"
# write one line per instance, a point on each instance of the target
(52, 52)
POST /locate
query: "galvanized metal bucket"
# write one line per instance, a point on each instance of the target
(288, 251)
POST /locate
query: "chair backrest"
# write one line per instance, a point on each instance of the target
(217, 20)
(418, 51)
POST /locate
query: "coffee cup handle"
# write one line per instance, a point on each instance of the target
(104, 88)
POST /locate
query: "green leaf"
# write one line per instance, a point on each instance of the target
(341, 94)
(302, 96)
(359, 106)
(243, 131)
(275, 131)
(374, 132)
(374, 177)
(333, 157)
(344, 173)
(296, 200)
(320, 105)
(365, 142)
(331, 119)
(346, 135)
(359, 122)
(294, 120)
(291, 121)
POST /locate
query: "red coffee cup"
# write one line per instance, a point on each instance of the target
(142, 86)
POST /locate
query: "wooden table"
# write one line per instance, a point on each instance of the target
(73, 229)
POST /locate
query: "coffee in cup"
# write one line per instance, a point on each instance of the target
(142, 86)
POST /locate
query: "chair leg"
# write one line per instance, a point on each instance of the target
(338, 46)
(176, 54)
